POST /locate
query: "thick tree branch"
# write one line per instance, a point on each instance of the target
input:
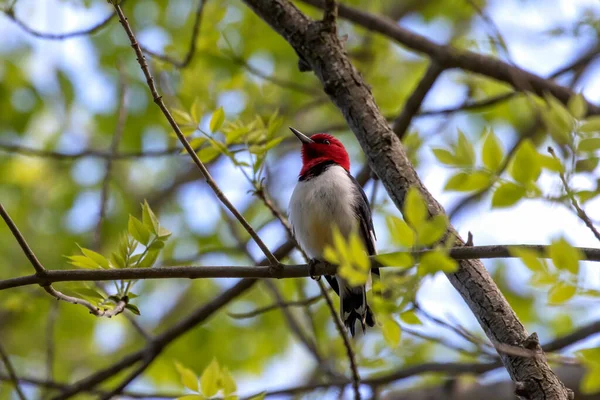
(346, 88)
(450, 57)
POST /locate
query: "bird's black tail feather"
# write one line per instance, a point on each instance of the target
(354, 307)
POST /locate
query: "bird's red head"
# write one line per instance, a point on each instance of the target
(319, 148)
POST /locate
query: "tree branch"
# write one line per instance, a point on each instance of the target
(11, 372)
(161, 104)
(401, 124)
(160, 342)
(252, 271)
(450, 57)
(347, 90)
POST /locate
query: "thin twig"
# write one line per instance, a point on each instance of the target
(11, 372)
(260, 271)
(580, 211)
(194, 39)
(344, 334)
(58, 36)
(57, 155)
(39, 268)
(129, 378)
(209, 180)
(298, 303)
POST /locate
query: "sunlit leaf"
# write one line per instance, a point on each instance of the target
(465, 152)
(564, 256)
(401, 233)
(138, 230)
(469, 181)
(526, 166)
(577, 106)
(507, 195)
(588, 145)
(410, 317)
(391, 332)
(229, 385)
(149, 219)
(492, 153)
(430, 232)
(217, 119)
(96, 257)
(415, 210)
(188, 377)
(209, 381)
(561, 292)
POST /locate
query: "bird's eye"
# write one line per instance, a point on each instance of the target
(326, 141)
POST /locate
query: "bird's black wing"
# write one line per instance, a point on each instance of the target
(363, 213)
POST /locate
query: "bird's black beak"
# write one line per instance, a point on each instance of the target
(301, 136)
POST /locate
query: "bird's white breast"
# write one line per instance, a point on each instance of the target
(317, 204)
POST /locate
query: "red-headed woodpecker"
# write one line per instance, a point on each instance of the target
(327, 195)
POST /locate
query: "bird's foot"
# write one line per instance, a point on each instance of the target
(312, 265)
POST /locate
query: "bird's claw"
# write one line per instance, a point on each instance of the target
(312, 265)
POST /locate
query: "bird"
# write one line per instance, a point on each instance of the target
(325, 195)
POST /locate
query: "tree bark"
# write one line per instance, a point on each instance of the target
(323, 52)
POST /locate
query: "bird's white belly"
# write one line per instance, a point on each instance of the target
(317, 205)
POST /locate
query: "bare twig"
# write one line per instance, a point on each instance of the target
(580, 211)
(209, 180)
(192, 49)
(58, 36)
(40, 271)
(344, 334)
(56, 155)
(285, 304)
(11, 372)
(129, 378)
(401, 124)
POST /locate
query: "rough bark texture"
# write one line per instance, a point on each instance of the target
(324, 53)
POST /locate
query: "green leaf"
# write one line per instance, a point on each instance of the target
(564, 256)
(507, 194)
(410, 317)
(430, 232)
(588, 145)
(358, 253)
(391, 332)
(133, 308)
(163, 233)
(558, 119)
(586, 165)
(591, 380)
(149, 259)
(149, 219)
(217, 119)
(196, 110)
(526, 166)
(465, 152)
(401, 233)
(117, 260)
(182, 117)
(192, 397)
(188, 377)
(550, 163)
(530, 258)
(590, 125)
(396, 259)
(469, 181)
(209, 381)
(492, 152)
(82, 262)
(229, 385)
(208, 154)
(95, 257)
(272, 143)
(138, 230)
(445, 157)
(156, 245)
(415, 210)
(577, 106)
(561, 292)
(590, 356)
(435, 261)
